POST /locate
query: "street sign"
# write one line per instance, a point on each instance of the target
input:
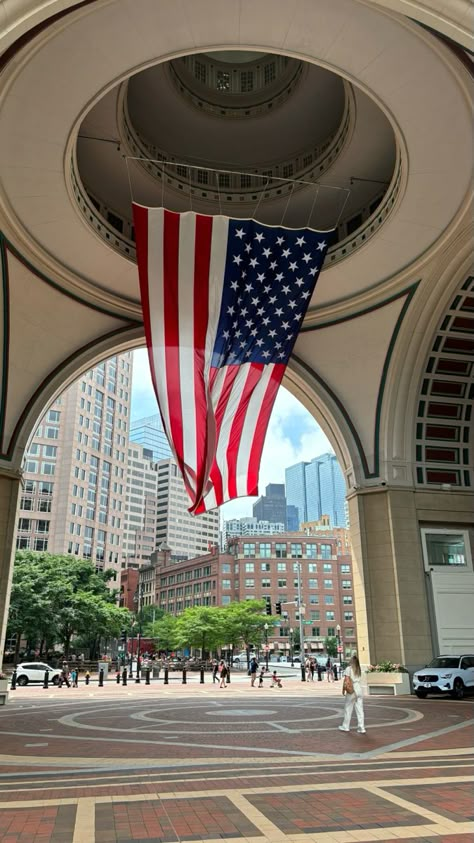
(308, 623)
(339, 649)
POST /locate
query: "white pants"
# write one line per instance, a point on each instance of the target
(351, 701)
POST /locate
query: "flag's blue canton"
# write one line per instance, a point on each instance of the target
(270, 274)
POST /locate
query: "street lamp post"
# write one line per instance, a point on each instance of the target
(139, 633)
(265, 626)
(300, 613)
(339, 647)
(291, 647)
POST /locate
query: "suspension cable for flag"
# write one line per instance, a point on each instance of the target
(317, 186)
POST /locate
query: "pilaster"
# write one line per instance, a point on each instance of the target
(10, 485)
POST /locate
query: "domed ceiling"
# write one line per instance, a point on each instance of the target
(241, 133)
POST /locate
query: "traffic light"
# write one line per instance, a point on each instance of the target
(278, 608)
(268, 606)
(123, 635)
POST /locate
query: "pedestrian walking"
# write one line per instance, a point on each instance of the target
(352, 690)
(329, 673)
(311, 669)
(215, 670)
(260, 677)
(253, 667)
(74, 677)
(223, 672)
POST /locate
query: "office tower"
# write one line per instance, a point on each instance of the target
(187, 535)
(149, 432)
(295, 486)
(272, 505)
(332, 490)
(317, 488)
(292, 518)
(75, 469)
(139, 532)
(313, 491)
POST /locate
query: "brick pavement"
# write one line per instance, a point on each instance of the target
(244, 766)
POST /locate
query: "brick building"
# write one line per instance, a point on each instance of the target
(259, 567)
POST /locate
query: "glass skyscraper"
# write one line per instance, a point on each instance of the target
(295, 485)
(149, 432)
(317, 488)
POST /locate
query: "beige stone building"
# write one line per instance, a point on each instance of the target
(75, 469)
(186, 534)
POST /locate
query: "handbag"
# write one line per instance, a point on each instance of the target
(347, 685)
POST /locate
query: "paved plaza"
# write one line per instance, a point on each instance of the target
(195, 762)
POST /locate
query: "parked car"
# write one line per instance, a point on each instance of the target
(241, 658)
(31, 672)
(445, 675)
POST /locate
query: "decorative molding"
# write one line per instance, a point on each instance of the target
(407, 294)
(444, 432)
(5, 248)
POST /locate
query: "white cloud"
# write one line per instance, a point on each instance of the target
(292, 436)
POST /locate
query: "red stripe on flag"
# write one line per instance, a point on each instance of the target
(205, 438)
(171, 330)
(261, 428)
(253, 377)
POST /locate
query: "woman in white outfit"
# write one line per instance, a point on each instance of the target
(354, 699)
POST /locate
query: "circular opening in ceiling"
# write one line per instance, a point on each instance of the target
(235, 131)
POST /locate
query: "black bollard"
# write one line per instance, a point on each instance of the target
(124, 676)
(101, 677)
(88, 676)
(201, 681)
(13, 682)
(165, 682)
(118, 677)
(227, 681)
(147, 676)
(320, 674)
(46, 680)
(303, 673)
(184, 682)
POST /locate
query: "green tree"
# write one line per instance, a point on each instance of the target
(163, 631)
(330, 643)
(200, 626)
(244, 623)
(56, 597)
(150, 614)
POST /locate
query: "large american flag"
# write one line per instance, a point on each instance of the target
(223, 301)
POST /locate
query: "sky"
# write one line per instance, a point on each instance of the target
(292, 435)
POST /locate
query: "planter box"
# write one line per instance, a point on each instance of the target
(3, 691)
(388, 684)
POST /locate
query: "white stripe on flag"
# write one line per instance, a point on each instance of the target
(187, 234)
(155, 294)
(220, 234)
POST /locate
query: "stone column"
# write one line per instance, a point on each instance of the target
(10, 485)
(389, 579)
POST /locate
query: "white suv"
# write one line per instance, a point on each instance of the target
(445, 675)
(34, 672)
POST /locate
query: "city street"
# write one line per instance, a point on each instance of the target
(246, 764)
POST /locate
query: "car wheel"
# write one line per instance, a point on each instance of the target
(421, 694)
(55, 680)
(22, 680)
(458, 690)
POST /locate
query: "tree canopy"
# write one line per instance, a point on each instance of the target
(56, 597)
